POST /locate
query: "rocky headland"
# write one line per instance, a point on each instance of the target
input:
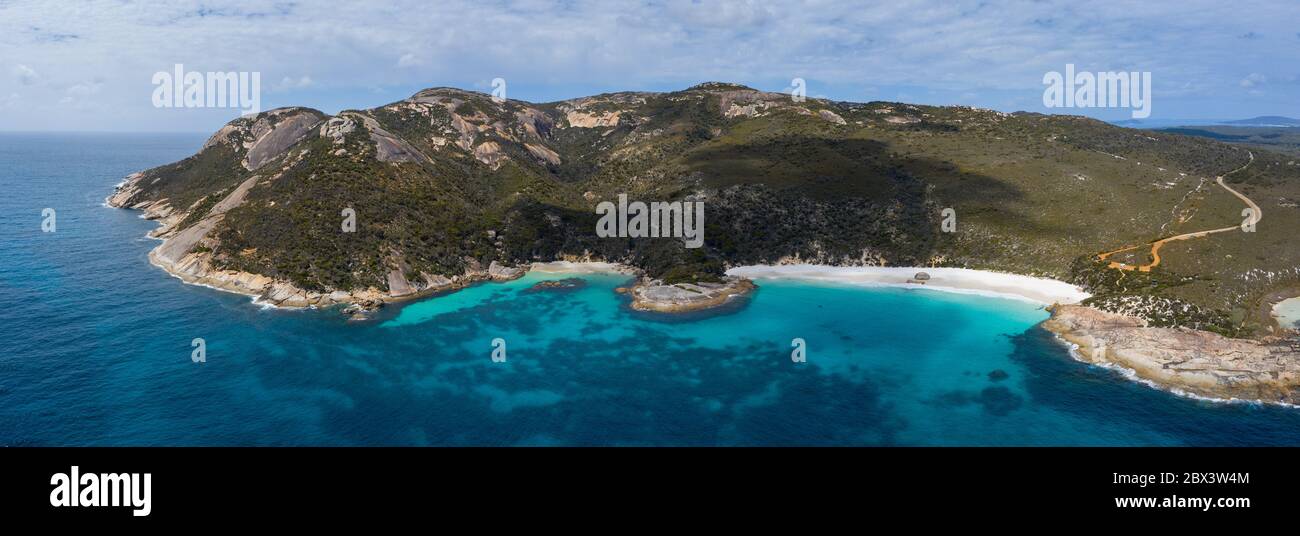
(183, 255)
(449, 187)
(1184, 360)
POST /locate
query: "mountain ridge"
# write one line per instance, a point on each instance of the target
(449, 181)
(1266, 121)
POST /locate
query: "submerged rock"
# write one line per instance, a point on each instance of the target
(568, 283)
(999, 401)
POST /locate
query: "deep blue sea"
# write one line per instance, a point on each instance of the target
(95, 350)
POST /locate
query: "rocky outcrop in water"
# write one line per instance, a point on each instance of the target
(655, 295)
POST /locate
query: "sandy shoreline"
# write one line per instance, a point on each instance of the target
(959, 280)
(585, 267)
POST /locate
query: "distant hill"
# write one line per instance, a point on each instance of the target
(1164, 123)
(1261, 121)
(1265, 121)
(1273, 132)
(448, 180)
(1283, 139)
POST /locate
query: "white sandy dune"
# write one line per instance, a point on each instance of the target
(961, 280)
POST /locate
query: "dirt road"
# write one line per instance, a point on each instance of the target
(1256, 215)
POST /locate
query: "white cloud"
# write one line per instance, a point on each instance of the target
(25, 75)
(289, 83)
(408, 60)
(1252, 80)
(553, 50)
(78, 96)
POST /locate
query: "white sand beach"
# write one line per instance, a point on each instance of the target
(567, 267)
(960, 280)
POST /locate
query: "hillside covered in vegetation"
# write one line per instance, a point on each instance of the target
(448, 181)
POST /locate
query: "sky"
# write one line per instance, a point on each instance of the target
(89, 65)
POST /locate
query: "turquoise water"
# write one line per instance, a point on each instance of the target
(95, 350)
(1288, 313)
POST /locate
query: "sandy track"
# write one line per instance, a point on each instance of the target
(1256, 215)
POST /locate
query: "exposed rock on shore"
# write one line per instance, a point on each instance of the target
(499, 272)
(1196, 362)
(654, 295)
(196, 268)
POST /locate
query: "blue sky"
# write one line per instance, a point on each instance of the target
(68, 65)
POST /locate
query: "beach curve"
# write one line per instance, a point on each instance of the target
(957, 280)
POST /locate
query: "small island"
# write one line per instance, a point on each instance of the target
(655, 295)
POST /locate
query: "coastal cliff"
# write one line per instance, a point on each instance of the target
(1194, 362)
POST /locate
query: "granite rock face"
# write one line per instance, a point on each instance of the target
(275, 140)
(1196, 362)
(500, 272)
(654, 295)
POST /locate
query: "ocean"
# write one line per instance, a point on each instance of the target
(95, 349)
(1288, 313)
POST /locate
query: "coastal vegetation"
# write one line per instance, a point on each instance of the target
(450, 181)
